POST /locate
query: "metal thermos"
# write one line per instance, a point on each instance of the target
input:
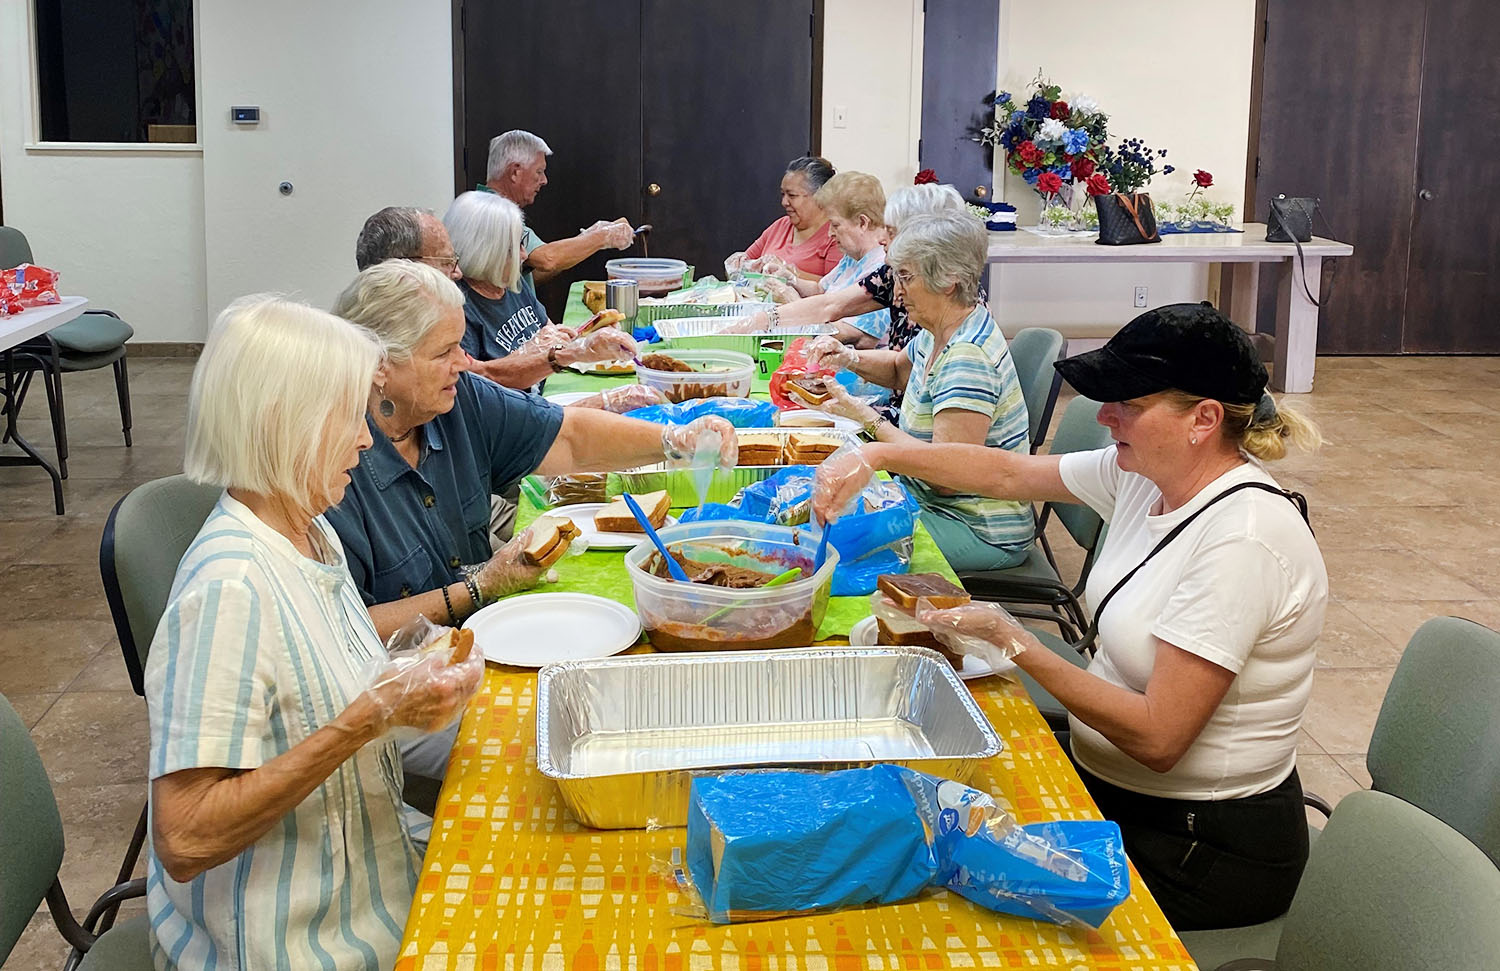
(624, 296)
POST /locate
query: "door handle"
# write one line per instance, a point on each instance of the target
(653, 189)
(1425, 195)
(981, 192)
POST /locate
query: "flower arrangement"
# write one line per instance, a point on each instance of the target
(1050, 142)
(1130, 167)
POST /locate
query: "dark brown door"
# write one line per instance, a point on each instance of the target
(1454, 276)
(569, 71)
(728, 96)
(707, 100)
(1341, 85)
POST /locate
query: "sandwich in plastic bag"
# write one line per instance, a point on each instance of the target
(768, 844)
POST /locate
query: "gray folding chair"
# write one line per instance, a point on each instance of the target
(1033, 351)
(31, 853)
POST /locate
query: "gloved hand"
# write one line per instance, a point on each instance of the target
(756, 323)
(838, 482)
(780, 290)
(986, 630)
(419, 689)
(679, 443)
(773, 266)
(551, 333)
(508, 571)
(616, 235)
(629, 397)
(841, 404)
(828, 353)
(734, 265)
(604, 344)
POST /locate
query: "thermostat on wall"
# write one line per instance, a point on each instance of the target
(245, 115)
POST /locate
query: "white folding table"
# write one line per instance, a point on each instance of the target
(15, 330)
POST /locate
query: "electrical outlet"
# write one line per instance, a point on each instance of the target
(1140, 296)
(841, 116)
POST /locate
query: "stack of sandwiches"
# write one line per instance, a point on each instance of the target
(810, 448)
(760, 448)
(616, 517)
(550, 538)
(900, 626)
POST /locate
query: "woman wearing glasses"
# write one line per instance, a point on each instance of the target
(959, 382)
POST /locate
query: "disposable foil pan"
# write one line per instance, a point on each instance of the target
(624, 736)
(725, 484)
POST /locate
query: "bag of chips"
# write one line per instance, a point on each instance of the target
(26, 286)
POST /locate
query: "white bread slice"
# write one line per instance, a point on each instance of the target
(616, 517)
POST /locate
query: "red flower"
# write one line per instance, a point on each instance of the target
(1083, 167)
(1029, 153)
(1098, 185)
(925, 176)
(1048, 183)
(1060, 110)
(1202, 179)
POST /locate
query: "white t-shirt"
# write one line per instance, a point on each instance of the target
(1243, 586)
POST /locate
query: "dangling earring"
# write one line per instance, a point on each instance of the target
(386, 407)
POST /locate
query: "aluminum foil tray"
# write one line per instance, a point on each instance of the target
(623, 737)
(650, 313)
(725, 484)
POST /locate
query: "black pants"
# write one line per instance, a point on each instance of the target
(1211, 864)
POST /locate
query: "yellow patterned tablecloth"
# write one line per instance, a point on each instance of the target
(511, 882)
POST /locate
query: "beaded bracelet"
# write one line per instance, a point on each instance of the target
(473, 588)
(452, 617)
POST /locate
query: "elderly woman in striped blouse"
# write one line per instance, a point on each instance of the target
(959, 381)
(278, 835)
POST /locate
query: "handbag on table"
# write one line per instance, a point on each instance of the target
(1126, 218)
(1289, 220)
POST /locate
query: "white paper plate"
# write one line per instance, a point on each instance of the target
(864, 634)
(538, 628)
(839, 424)
(570, 397)
(627, 369)
(582, 514)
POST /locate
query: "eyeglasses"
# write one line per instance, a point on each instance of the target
(904, 277)
(447, 263)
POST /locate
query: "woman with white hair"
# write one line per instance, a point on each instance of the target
(876, 290)
(959, 381)
(507, 331)
(278, 836)
(416, 517)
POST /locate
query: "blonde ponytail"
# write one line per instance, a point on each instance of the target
(1267, 439)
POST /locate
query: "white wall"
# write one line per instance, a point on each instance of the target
(1175, 73)
(123, 228)
(872, 66)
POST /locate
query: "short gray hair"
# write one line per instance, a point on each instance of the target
(393, 233)
(486, 229)
(399, 301)
(928, 199)
(814, 168)
(278, 397)
(945, 250)
(514, 147)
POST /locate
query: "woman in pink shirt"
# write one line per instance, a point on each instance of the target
(801, 238)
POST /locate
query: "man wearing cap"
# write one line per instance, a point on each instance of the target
(1207, 600)
(517, 170)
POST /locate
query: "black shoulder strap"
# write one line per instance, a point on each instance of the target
(1296, 498)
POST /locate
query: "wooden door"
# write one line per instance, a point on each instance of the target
(728, 99)
(958, 67)
(1454, 276)
(1342, 82)
(569, 71)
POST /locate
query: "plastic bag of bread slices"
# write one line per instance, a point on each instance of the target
(419, 654)
(882, 835)
(896, 602)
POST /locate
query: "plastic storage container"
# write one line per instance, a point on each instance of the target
(655, 276)
(693, 616)
(719, 374)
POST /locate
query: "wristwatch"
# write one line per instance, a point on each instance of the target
(871, 427)
(552, 358)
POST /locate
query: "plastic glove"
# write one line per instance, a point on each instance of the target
(508, 571)
(734, 265)
(756, 323)
(773, 266)
(986, 630)
(605, 344)
(841, 404)
(828, 353)
(419, 689)
(679, 443)
(838, 482)
(617, 234)
(551, 333)
(780, 290)
(629, 397)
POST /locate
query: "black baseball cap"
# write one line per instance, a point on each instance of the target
(1183, 346)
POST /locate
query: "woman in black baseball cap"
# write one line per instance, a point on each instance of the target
(1207, 599)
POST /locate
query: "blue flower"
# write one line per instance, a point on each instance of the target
(1002, 97)
(1038, 107)
(1075, 140)
(1017, 116)
(1031, 175)
(1066, 171)
(1168, 169)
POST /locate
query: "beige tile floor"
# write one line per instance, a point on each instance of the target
(1403, 501)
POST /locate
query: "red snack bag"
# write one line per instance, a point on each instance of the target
(27, 286)
(794, 368)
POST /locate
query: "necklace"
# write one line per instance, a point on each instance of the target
(402, 438)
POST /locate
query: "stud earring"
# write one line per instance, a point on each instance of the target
(1193, 440)
(386, 407)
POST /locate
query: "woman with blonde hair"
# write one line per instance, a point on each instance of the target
(278, 835)
(1207, 601)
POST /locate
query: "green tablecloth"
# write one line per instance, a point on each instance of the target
(602, 572)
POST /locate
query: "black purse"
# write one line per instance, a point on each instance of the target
(1289, 220)
(1126, 218)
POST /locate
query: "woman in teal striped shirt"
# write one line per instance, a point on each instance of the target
(278, 835)
(960, 385)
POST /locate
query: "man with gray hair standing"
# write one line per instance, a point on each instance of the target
(406, 233)
(517, 170)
